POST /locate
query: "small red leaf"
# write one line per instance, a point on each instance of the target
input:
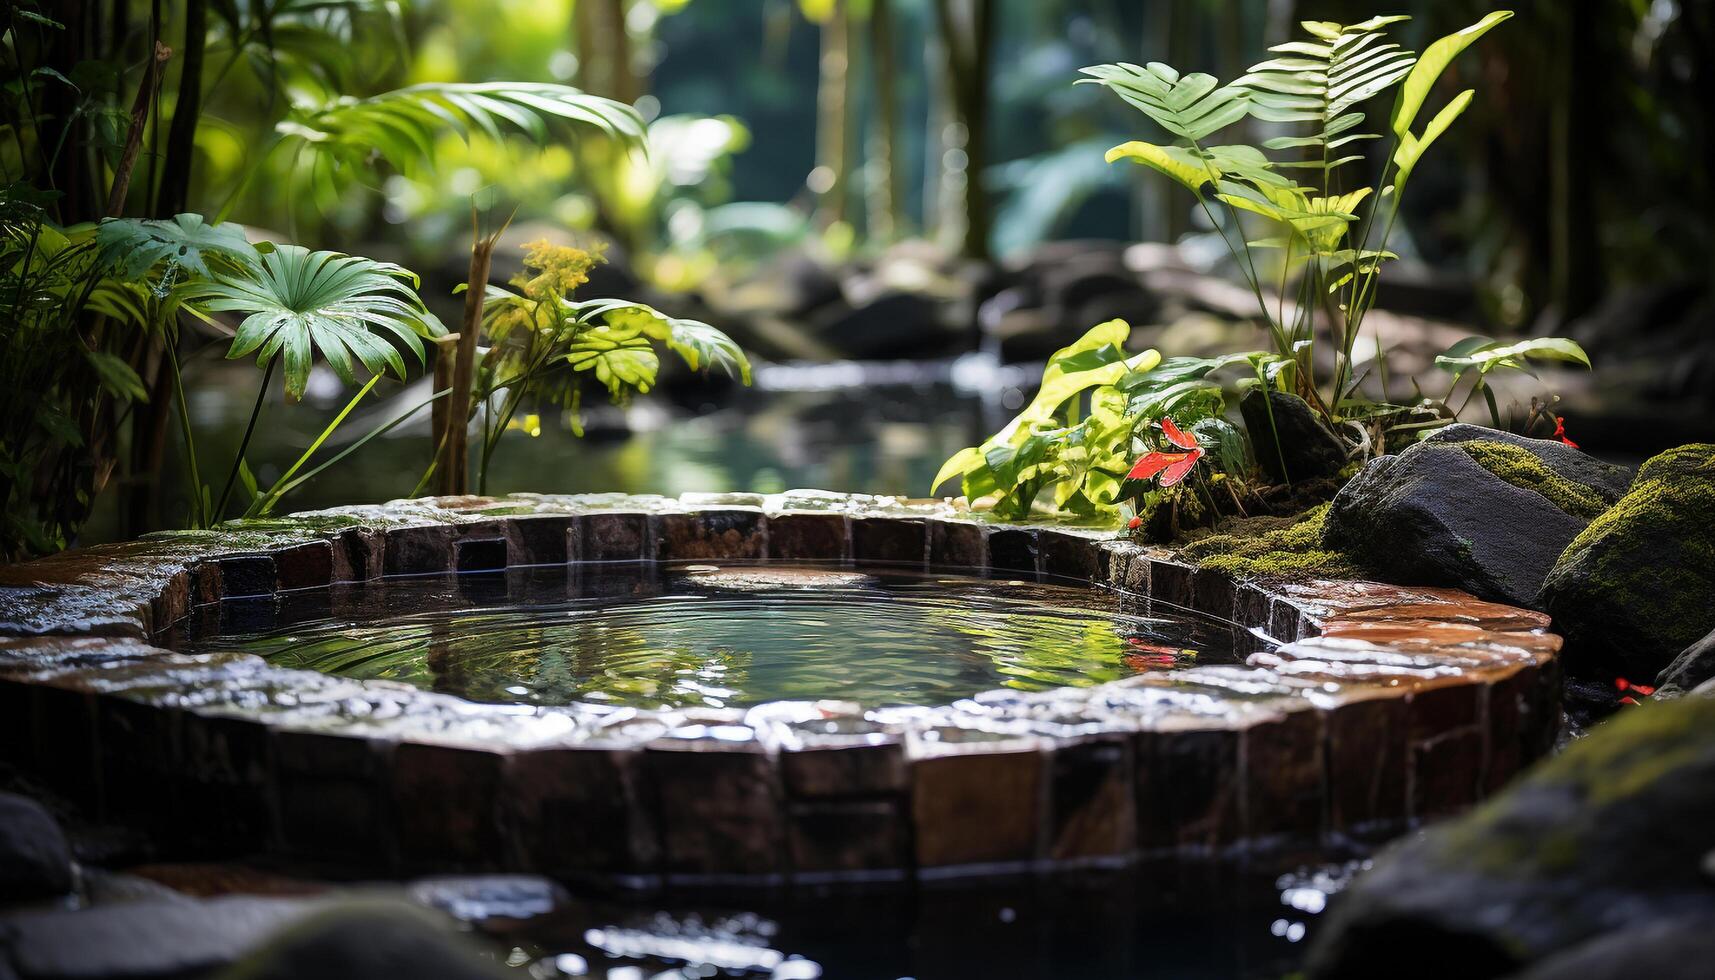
(1175, 435)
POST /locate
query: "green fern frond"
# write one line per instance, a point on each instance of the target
(1192, 107)
(1322, 82)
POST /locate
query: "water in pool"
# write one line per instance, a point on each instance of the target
(721, 636)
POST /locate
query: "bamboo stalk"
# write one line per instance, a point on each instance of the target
(134, 133)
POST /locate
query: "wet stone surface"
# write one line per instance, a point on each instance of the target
(1445, 695)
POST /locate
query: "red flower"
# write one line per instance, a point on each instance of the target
(1172, 467)
(1560, 431)
(1134, 523)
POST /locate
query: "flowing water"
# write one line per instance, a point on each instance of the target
(724, 637)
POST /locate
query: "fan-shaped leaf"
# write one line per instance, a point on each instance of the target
(297, 302)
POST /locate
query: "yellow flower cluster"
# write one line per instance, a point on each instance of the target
(555, 270)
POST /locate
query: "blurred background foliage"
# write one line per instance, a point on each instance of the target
(1582, 170)
(834, 181)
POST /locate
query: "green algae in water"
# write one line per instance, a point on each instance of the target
(629, 637)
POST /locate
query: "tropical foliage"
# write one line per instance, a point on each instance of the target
(1329, 233)
(1071, 449)
(545, 345)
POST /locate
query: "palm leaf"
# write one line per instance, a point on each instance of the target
(297, 302)
(402, 124)
(1192, 107)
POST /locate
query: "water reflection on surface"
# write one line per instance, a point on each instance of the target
(1159, 920)
(634, 635)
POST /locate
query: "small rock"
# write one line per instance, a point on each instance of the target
(1308, 448)
(1608, 837)
(363, 940)
(1633, 590)
(1681, 949)
(1608, 480)
(35, 860)
(1433, 515)
(891, 325)
(1692, 667)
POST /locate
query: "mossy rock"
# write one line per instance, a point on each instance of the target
(1271, 548)
(1485, 516)
(1610, 835)
(1638, 585)
(1603, 479)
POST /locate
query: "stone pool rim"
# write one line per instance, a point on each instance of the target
(1381, 706)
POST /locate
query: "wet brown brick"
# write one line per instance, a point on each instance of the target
(710, 535)
(892, 540)
(444, 805)
(610, 537)
(718, 810)
(809, 537)
(958, 544)
(576, 811)
(1092, 801)
(976, 807)
(862, 836)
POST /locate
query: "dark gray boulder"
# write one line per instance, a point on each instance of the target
(1606, 479)
(246, 936)
(35, 860)
(1691, 668)
(143, 938)
(1611, 835)
(1434, 515)
(1638, 586)
(1680, 949)
(1306, 446)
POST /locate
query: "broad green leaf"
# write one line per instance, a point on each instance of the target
(134, 247)
(1429, 67)
(957, 464)
(1487, 355)
(702, 346)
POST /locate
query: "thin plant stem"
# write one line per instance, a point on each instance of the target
(244, 444)
(199, 517)
(262, 504)
(379, 430)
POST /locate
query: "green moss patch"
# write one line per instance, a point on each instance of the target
(1521, 468)
(1271, 548)
(1633, 589)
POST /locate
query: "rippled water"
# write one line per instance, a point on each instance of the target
(724, 637)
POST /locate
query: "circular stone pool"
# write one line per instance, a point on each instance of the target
(721, 636)
(1341, 709)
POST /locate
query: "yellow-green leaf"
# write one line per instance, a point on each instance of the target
(1174, 161)
(1411, 147)
(1429, 67)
